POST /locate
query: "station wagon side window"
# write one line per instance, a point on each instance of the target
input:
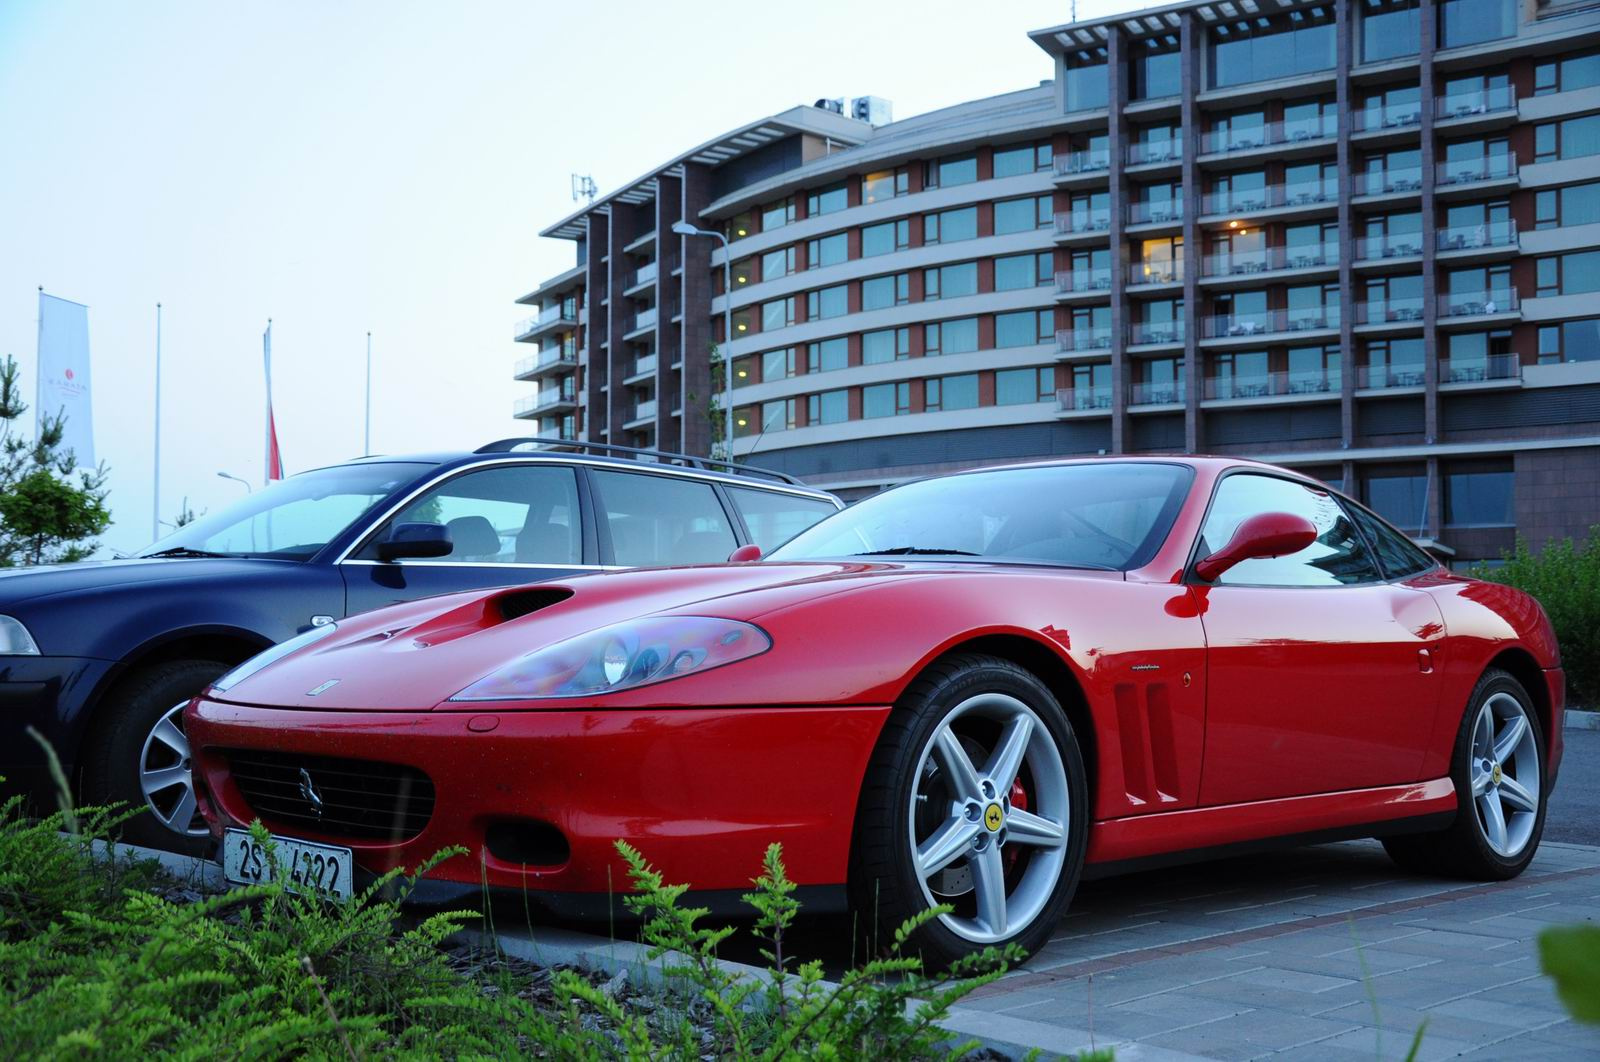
(773, 518)
(1337, 557)
(660, 520)
(511, 514)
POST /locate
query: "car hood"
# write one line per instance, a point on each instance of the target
(413, 657)
(21, 585)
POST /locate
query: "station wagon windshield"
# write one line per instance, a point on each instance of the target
(292, 518)
(1111, 515)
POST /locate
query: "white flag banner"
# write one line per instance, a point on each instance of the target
(64, 372)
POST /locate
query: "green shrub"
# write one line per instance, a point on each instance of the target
(1565, 579)
(1570, 955)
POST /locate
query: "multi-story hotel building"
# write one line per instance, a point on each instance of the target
(1358, 237)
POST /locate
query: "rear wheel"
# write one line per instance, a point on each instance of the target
(138, 755)
(1498, 770)
(976, 798)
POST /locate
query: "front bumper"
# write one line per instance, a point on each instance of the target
(700, 792)
(52, 694)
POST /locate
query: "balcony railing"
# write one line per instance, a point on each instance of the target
(1392, 116)
(644, 319)
(1495, 100)
(1170, 272)
(1078, 340)
(1146, 393)
(1394, 245)
(645, 274)
(550, 315)
(1304, 130)
(1071, 398)
(645, 363)
(545, 359)
(1082, 280)
(1075, 162)
(1155, 151)
(1478, 303)
(1078, 222)
(1155, 213)
(1381, 377)
(1389, 182)
(1155, 332)
(1389, 311)
(1476, 171)
(1477, 370)
(1478, 237)
(1304, 193)
(642, 410)
(1239, 263)
(1272, 383)
(1270, 322)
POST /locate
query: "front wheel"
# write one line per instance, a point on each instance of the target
(975, 798)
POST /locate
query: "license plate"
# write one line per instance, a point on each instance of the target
(318, 869)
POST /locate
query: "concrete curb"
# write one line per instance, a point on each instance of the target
(1578, 719)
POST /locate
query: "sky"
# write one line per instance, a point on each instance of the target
(383, 167)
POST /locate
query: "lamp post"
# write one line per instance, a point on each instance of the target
(683, 228)
(155, 501)
(236, 479)
(366, 443)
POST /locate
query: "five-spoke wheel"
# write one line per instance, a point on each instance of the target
(164, 776)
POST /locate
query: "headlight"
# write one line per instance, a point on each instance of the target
(623, 656)
(15, 639)
(277, 652)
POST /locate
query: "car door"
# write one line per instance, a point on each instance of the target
(1318, 671)
(647, 519)
(510, 523)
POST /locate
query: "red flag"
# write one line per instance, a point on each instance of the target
(274, 455)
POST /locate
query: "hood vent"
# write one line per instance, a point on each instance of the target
(515, 604)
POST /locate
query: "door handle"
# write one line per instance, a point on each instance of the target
(1425, 661)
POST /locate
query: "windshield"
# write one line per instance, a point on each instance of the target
(1111, 515)
(292, 518)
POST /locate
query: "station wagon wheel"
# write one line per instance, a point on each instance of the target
(164, 776)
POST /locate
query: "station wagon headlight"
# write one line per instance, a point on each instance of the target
(277, 652)
(623, 656)
(15, 639)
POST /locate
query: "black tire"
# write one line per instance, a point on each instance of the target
(114, 751)
(1463, 849)
(884, 884)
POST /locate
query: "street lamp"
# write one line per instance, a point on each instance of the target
(683, 228)
(236, 479)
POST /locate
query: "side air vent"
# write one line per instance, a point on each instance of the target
(518, 603)
(1149, 753)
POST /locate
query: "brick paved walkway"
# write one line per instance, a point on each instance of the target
(1325, 952)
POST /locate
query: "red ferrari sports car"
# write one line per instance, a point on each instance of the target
(970, 690)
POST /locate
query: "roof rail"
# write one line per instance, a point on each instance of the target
(709, 464)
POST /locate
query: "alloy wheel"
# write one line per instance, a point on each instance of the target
(165, 779)
(1505, 774)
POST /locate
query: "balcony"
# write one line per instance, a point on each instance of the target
(642, 320)
(1477, 240)
(1146, 393)
(1151, 273)
(1476, 305)
(1082, 340)
(1272, 384)
(552, 317)
(1083, 163)
(1083, 399)
(1402, 180)
(1270, 323)
(1386, 377)
(552, 359)
(1082, 223)
(641, 411)
(1305, 131)
(1395, 117)
(1269, 260)
(1155, 333)
(1395, 245)
(1474, 173)
(1406, 312)
(548, 400)
(1155, 152)
(1488, 369)
(1478, 105)
(1155, 213)
(643, 365)
(1272, 197)
(645, 274)
(1081, 282)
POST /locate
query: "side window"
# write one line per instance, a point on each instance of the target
(775, 518)
(1398, 555)
(1336, 557)
(658, 520)
(515, 514)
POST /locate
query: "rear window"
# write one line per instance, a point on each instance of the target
(660, 520)
(773, 518)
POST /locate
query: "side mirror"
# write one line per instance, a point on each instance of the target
(752, 552)
(1263, 535)
(416, 540)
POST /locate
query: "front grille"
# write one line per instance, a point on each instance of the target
(361, 800)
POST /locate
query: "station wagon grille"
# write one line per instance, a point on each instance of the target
(359, 799)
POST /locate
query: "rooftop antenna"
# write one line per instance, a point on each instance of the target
(583, 187)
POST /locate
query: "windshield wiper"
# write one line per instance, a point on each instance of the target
(185, 551)
(906, 551)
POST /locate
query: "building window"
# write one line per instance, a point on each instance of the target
(828, 302)
(1086, 80)
(740, 225)
(827, 251)
(951, 392)
(1021, 387)
(1464, 22)
(1574, 273)
(775, 365)
(1400, 496)
(1389, 29)
(829, 355)
(1479, 495)
(1264, 48)
(1571, 138)
(1393, 107)
(879, 293)
(950, 226)
(885, 400)
(1091, 386)
(1024, 329)
(1016, 161)
(1022, 215)
(958, 336)
(779, 313)
(887, 238)
(889, 344)
(774, 264)
(1017, 271)
(777, 215)
(1570, 341)
(1566, 74)
(1576, 204)
(949, 172)
(830, 407)
(884, 184)
(1155, 67)
(951, 281)
(829, 200)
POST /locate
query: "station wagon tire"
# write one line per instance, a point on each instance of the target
(975, 796)
(1498, 769)
(136, 755)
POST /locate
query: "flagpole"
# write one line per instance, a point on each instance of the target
(155, 503)
(366, 446)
